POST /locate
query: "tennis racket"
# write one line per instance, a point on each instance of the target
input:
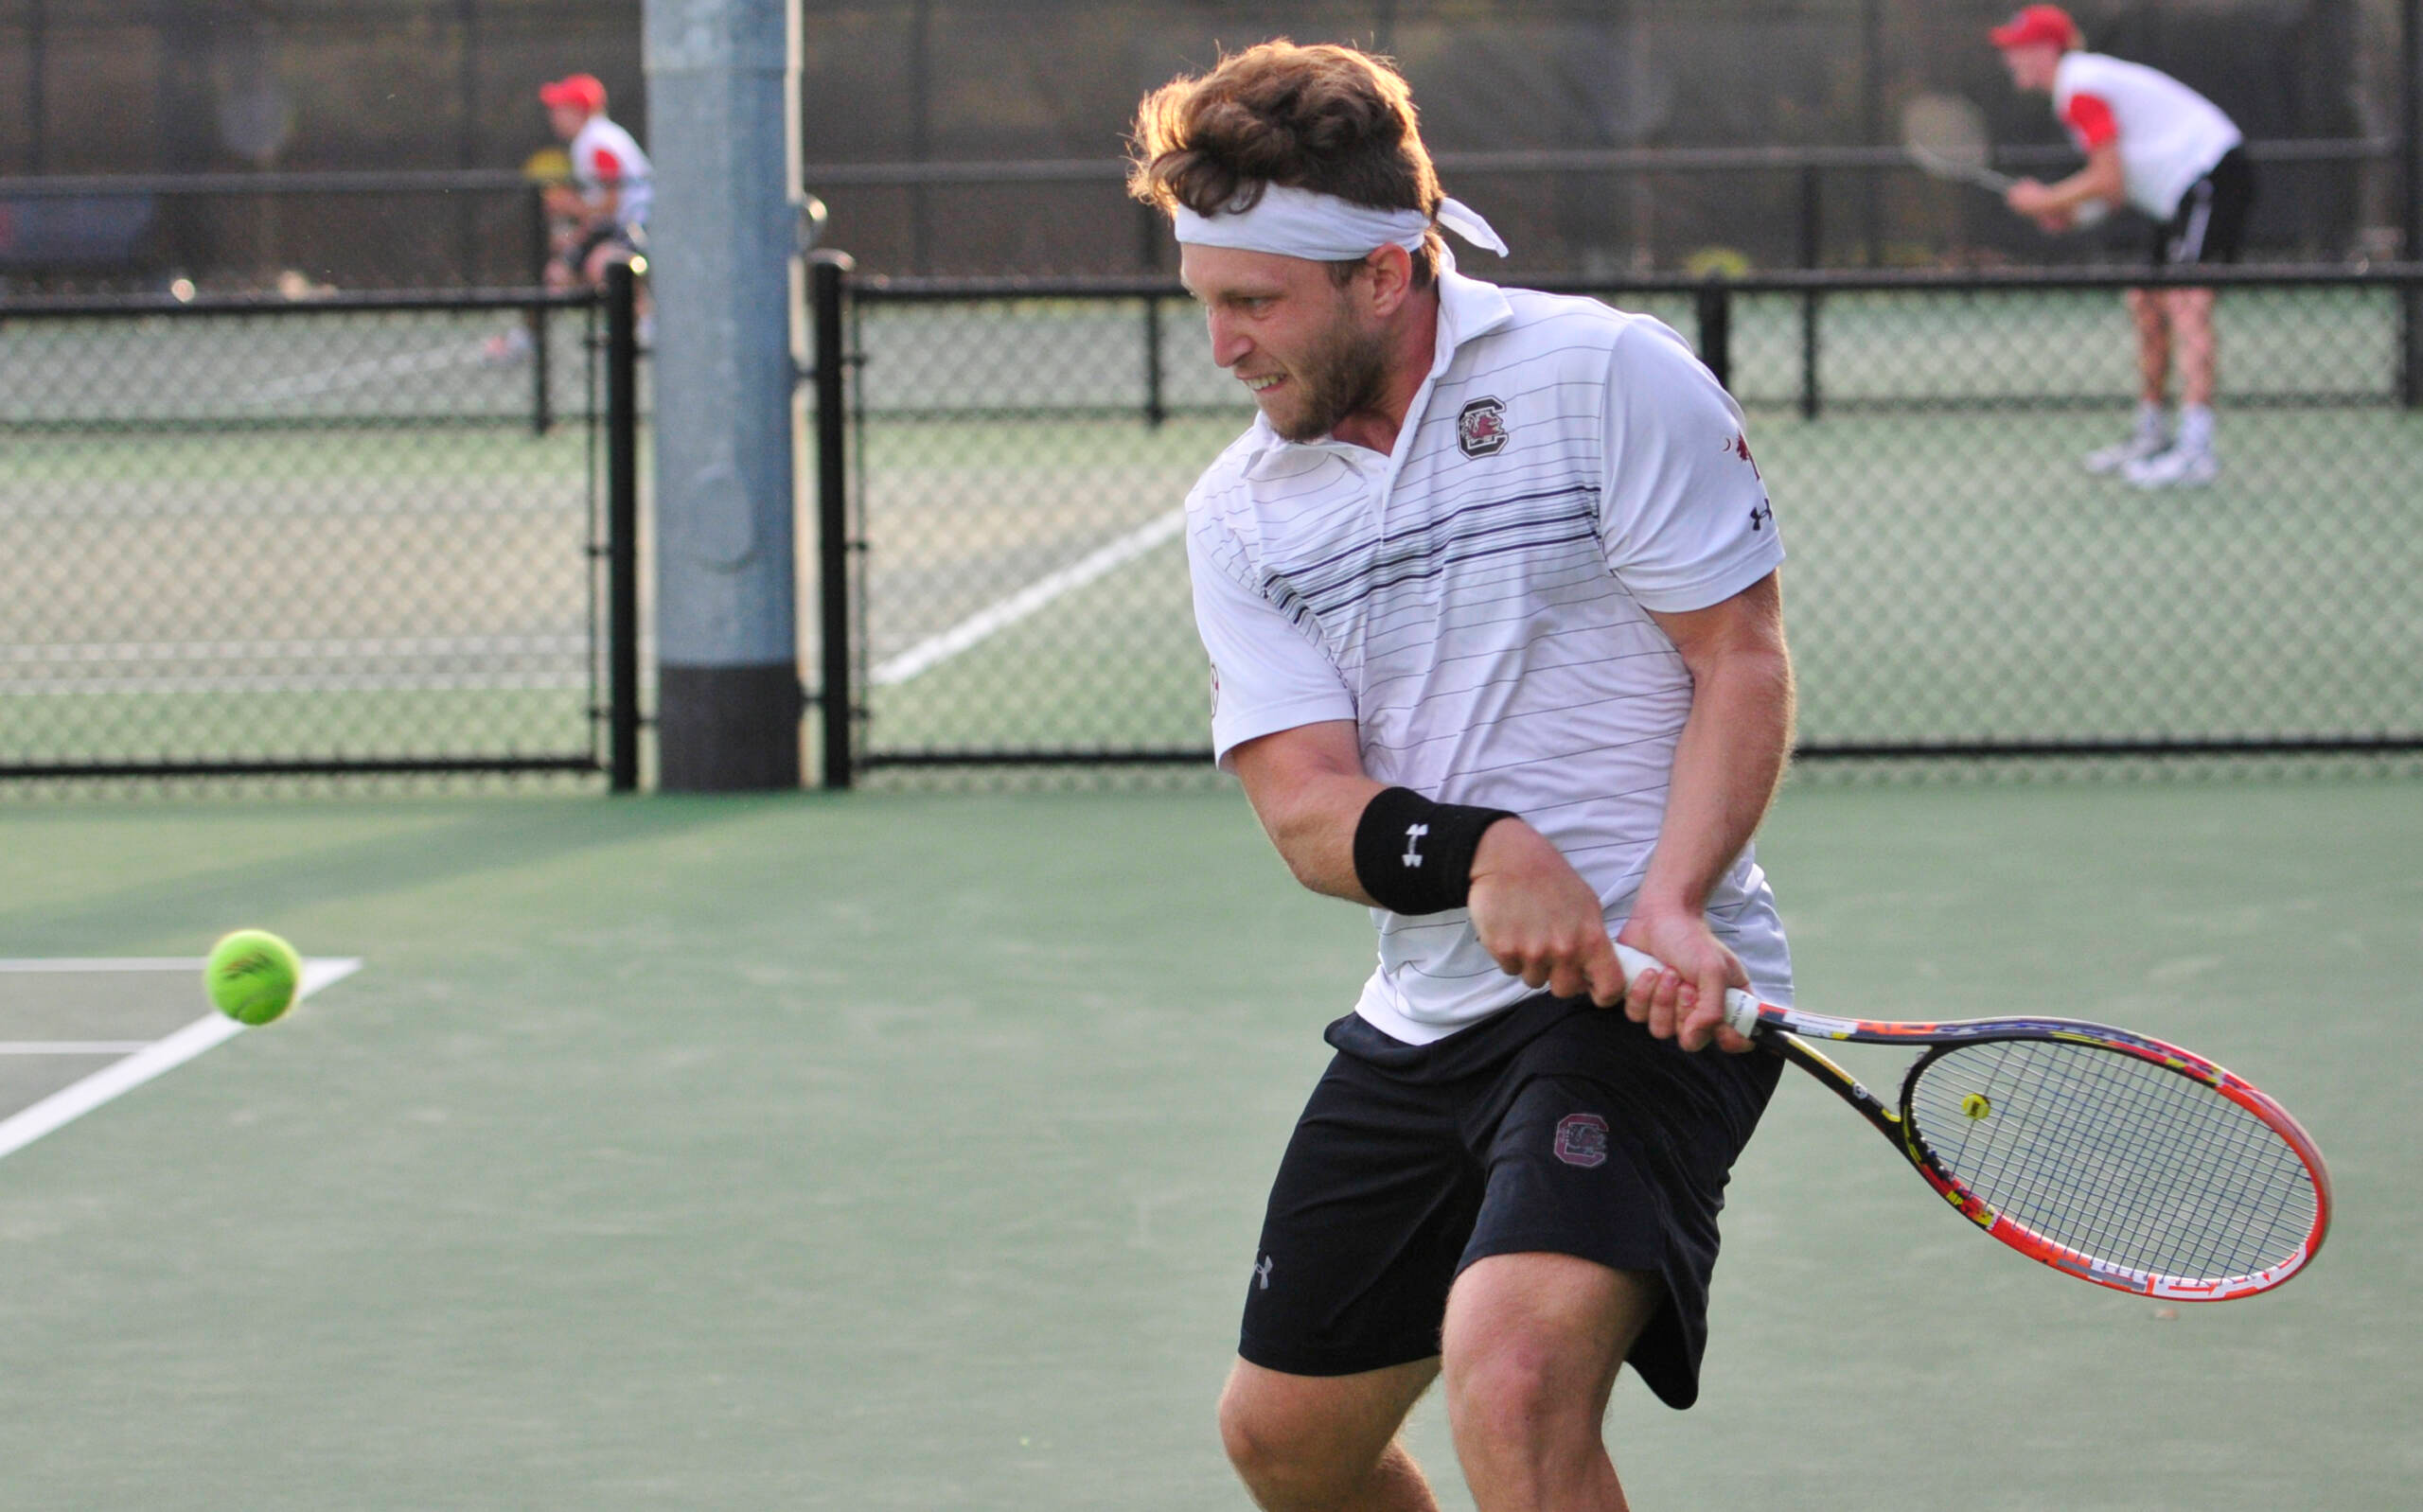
(2107, 1155)
(1945, 135)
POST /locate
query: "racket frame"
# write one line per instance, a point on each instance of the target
(1785, 1030)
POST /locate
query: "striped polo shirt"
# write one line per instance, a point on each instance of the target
(1476, 602)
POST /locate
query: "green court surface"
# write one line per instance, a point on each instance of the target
(906, 1152)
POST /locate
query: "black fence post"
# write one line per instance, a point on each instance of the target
(1714, 303)
(829, 279)
(2410, 193)
(622, 529)
(1813, 254)
(1155, 409)
(542, 418)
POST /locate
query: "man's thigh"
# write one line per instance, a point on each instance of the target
(1369, 1216)
(1547, 1325)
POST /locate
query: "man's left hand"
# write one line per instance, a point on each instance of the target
(1685, 1002)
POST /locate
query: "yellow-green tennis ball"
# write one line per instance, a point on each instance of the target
(1975, 1106)
(252, 976)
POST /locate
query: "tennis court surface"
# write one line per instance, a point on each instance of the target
(906, 1151)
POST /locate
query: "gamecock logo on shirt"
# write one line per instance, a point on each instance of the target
(1582, 1139)
(1480, 428)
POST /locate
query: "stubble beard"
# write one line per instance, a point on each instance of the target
(1346, 373)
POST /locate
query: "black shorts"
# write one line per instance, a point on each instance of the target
(2209, 226)
(1555, 1126)
(631, 238)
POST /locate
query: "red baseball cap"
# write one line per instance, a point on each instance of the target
(2049, 24)
(583, 91)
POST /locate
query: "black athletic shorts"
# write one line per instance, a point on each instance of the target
(2209, 226)
(631, 238)
(1555, 1126)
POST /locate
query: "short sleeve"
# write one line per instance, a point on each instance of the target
(604, 166)
(1267, 674)
(2090, 120)
(1684, 518)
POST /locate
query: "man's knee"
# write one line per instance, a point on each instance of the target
(1515, 1390)
(1307, 1441)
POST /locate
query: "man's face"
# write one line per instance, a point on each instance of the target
(567, 120)
(2032, 67)
(1310, 354)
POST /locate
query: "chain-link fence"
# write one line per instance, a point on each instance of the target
(353, 535)
(1959, 584)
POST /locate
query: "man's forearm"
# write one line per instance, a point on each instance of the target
(1726, 766)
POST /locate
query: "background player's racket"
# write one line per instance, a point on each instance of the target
(1945, 135)
(2113, 1157)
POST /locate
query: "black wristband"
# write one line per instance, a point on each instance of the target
(1415, 856)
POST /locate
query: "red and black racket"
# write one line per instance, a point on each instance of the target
(2107, 1155)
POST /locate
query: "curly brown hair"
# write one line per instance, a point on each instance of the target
(1333, 120)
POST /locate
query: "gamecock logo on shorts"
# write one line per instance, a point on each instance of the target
(1480, 428)
(1582, 1139)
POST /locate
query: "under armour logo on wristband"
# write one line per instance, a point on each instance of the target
(1413, 834)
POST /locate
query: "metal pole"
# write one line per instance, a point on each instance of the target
(1813, 253)
(828, 276)
(725, 234)
(37, 72)
(467, 84)
(621, 530)
(2410, 247)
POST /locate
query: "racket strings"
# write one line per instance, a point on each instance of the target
(2116, 1157)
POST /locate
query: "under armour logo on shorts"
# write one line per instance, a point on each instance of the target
(1582, 1139)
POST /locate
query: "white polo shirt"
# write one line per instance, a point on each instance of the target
(605, 156)
(2168, 135)
(1478, 603)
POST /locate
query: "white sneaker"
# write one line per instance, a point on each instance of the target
(2179, 468)
(2118, 457)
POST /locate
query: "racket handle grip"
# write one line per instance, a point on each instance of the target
(1741, 1009)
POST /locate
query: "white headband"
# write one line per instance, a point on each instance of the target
(1299, 224)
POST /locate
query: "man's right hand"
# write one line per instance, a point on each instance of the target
(1538, 919)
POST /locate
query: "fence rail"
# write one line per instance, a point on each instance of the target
(1003, 461)
(231, 544)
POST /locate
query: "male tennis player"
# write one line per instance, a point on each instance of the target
(2152, 142)
(1490, 589)
(612, 181)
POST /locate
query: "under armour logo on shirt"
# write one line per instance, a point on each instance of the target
(1262, 1273)
(1413, 834)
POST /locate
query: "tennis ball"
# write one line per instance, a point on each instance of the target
(1975, 1106)
(252, 976)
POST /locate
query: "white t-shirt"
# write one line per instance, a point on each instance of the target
(1476, 602)
(2168, 135)
(604, 156)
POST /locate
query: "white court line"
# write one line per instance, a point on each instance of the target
(94, 963)
(309, 683)
(370, 370)
(72, 1102)
(987, 623)
(83, 653)
(72, 1047)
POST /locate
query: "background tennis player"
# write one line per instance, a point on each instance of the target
(2152, 142)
